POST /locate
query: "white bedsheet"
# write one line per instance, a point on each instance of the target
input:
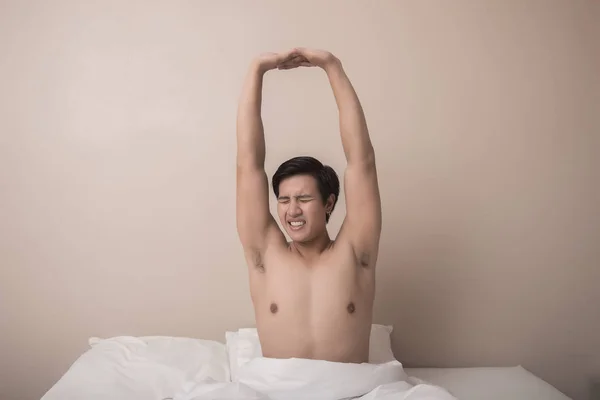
(300, 379)
(490, 383)
(158, 368)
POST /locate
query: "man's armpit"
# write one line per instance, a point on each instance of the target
(255, 259)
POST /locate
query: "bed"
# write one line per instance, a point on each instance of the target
(175, 368)
(489, 383)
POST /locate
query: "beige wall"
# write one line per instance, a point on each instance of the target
(117, 173)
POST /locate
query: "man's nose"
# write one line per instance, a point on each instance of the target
(294, 209)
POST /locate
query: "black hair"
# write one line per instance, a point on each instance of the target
(326, 177)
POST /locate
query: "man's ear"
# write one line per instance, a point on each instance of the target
(330, 202)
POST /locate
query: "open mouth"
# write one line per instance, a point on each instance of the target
(296, 225)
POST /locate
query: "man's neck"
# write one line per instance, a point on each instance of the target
(314, 248)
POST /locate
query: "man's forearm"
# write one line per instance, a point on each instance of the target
(250, 131)
(353, 126)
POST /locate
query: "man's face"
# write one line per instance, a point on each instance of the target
(300, 208)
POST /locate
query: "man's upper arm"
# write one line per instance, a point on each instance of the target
(256, 226)
(362, 225)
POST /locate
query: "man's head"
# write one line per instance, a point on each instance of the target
(306, 192)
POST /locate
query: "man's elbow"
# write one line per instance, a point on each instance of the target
(249, 162)
(364, 159)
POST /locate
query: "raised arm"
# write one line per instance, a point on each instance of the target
(256, 226)
(362, 226)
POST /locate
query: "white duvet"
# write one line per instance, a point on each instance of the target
(291, 379)
(159, 368)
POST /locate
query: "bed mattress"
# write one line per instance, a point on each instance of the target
(490, 383)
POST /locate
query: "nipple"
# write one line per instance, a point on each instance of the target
(351, 308)
(273, 308)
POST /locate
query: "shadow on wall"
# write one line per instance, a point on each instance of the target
(430, 287)
(417, 292)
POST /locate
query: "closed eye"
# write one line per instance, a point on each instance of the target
(304, 198)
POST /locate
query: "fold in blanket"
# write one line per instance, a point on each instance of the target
(291, 379)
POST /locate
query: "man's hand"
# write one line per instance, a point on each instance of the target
(303, 57)
(268, 61)
(294, 58)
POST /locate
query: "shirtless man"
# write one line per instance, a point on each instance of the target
(313, 297)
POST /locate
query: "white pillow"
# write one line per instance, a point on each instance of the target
(154, 367)
(380, 344)
(244, 345)
(196, 359)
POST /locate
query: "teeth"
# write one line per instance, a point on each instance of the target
(297, 223)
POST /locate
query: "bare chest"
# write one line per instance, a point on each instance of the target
(333, 287)
(323, 311)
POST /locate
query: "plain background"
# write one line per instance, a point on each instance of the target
(117, 172)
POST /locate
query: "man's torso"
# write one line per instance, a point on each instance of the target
(321, 310)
